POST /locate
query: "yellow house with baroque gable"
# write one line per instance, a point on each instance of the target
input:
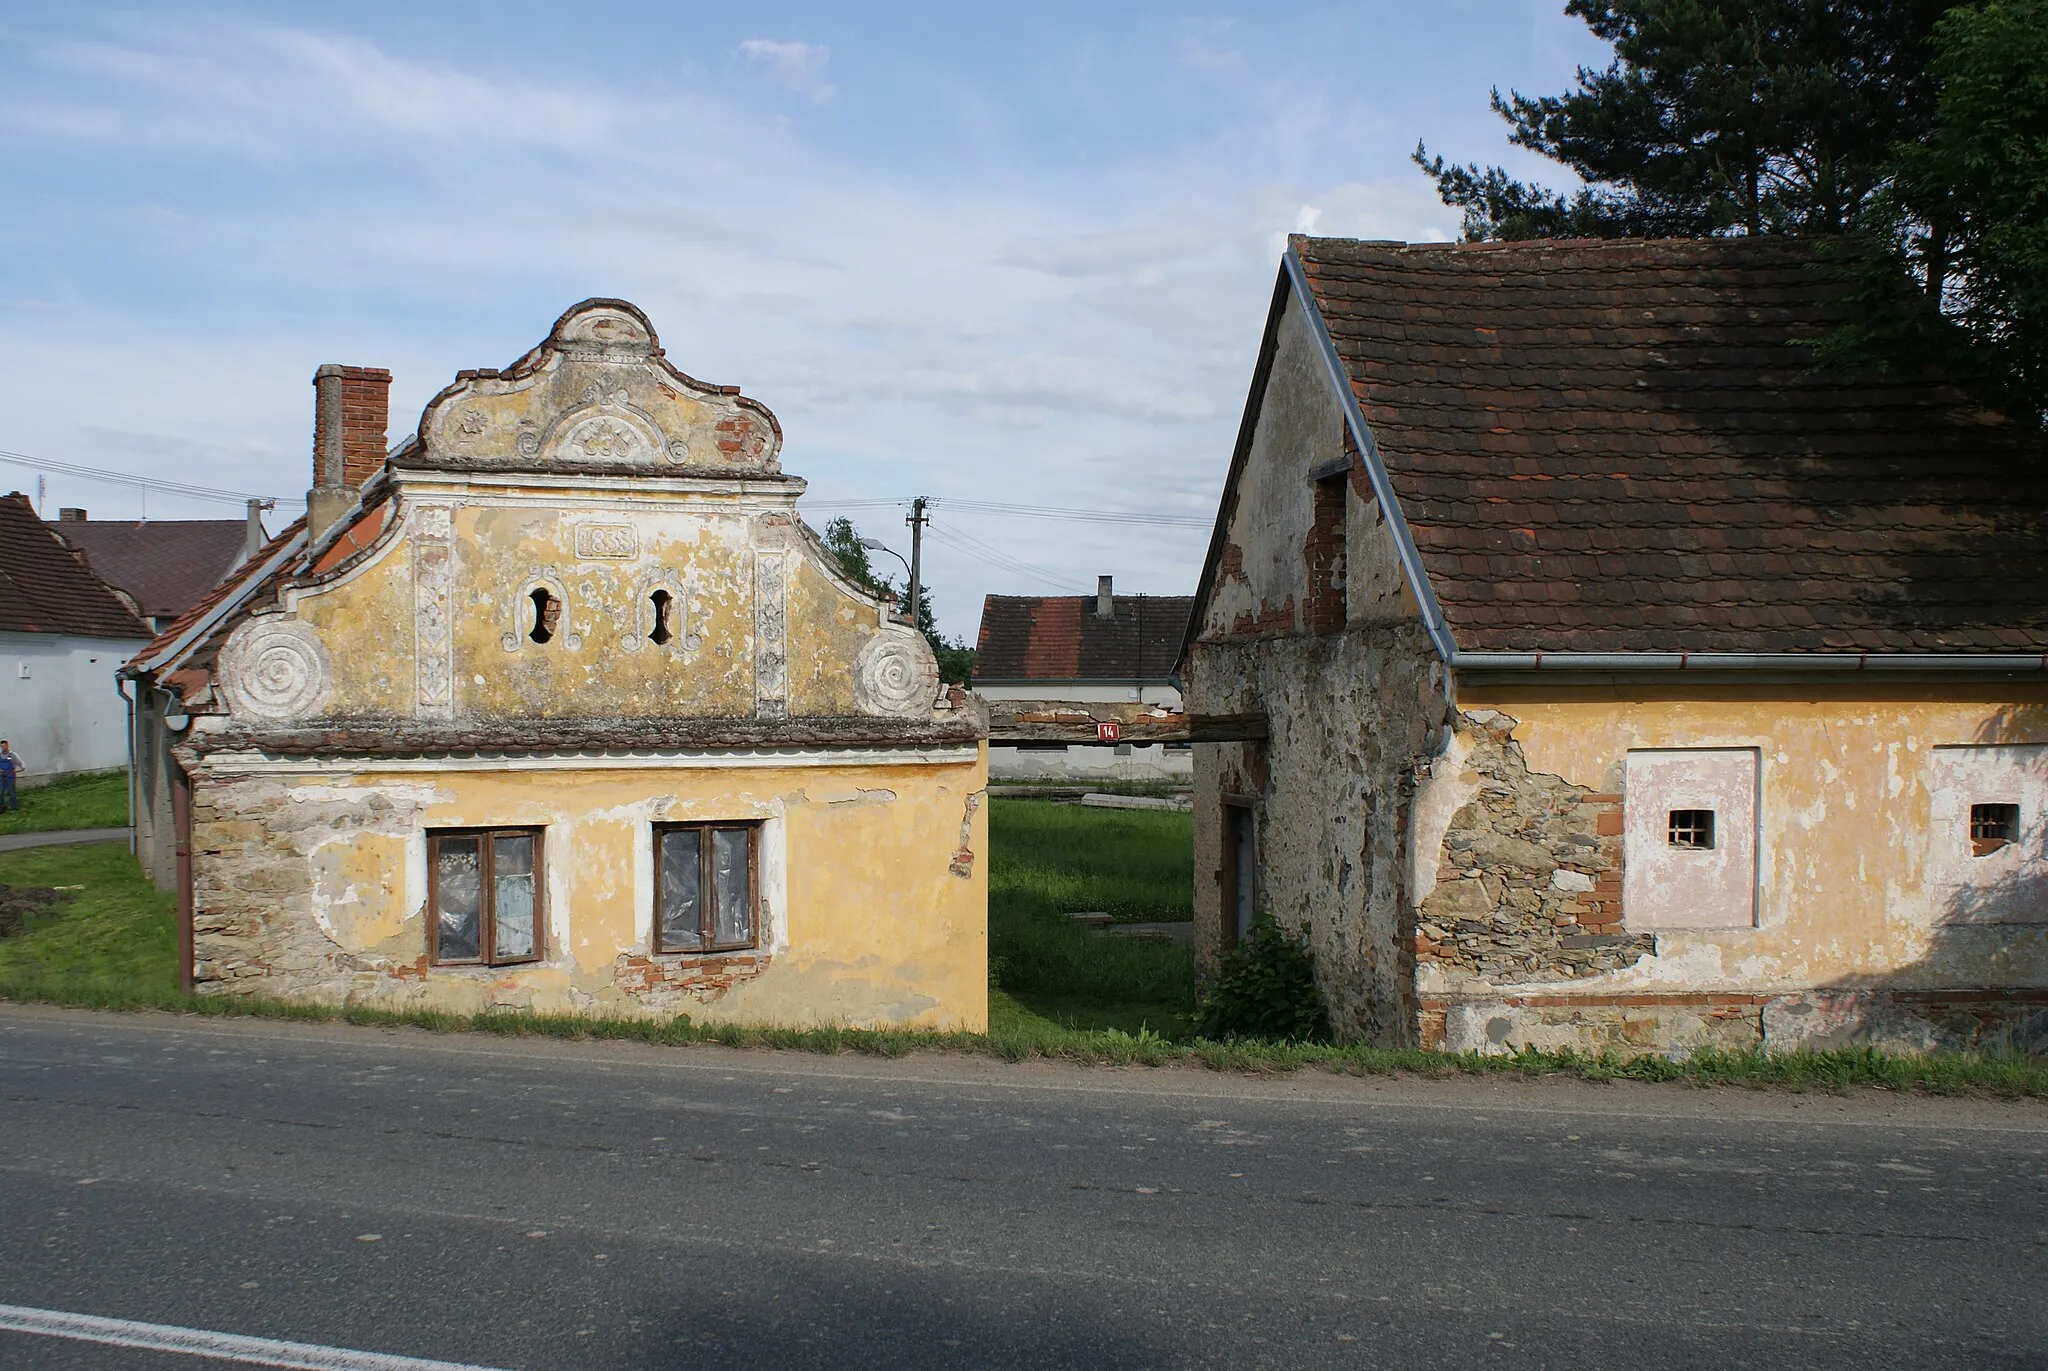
(558, 705)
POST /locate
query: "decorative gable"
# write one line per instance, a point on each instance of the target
(598, 395)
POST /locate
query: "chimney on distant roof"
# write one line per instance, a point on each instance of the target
(254, 538)
(70, 514)
(351, 410)
(1105, 602)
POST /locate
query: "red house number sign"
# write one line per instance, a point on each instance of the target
(1109, 732)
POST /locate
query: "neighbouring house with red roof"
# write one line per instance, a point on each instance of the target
(1106, 648)
(1629, 681)
(164, 565)
(63, 634)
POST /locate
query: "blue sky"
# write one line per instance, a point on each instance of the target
(1016, 253)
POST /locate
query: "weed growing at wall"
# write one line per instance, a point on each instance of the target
(1266, 988)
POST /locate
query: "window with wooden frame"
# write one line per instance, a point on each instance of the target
(484, 896)
(707, 887)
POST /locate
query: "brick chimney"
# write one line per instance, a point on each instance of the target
(71, 514)
(351, 409)
(1105, 603)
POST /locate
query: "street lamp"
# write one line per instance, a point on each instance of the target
(877, 545)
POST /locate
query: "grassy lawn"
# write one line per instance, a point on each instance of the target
(109, 931)
(1137, 864)
(1047, 860)
(96, 801)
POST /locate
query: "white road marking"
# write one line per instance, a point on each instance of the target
(197, 1342)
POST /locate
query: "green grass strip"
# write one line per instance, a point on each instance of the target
(97, 800)
(1017, 1035)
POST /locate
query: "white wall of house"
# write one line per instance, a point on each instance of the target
(1091, 762)
(58, 703)
(1117, 692)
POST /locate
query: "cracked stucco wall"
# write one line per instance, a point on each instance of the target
(314, 887)
(1874, 923)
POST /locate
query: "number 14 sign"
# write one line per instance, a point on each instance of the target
(1109, 732)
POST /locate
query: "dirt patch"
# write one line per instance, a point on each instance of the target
(18, 902)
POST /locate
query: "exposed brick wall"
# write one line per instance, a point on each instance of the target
(1270, 619)
(351, 413)
(672, 982)
(1323, 561)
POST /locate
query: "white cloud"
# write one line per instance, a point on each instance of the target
(1065, 336)
(799, 66)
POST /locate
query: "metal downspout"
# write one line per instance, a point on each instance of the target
(121, 686)
(181, 823)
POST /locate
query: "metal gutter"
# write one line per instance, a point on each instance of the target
(1747, 661)
(1375, 469)
(200, 630)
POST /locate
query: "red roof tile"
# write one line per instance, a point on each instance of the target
(165, 564)
(1626, 446)
(1061, 638)
(45, 587)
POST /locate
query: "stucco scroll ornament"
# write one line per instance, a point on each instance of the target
(275, 671)
(433, 578)
(771, 634)
(896, 675)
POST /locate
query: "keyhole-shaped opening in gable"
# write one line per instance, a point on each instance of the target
(662, 602)
(547, 615)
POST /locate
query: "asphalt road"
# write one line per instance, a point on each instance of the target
(525, 1204)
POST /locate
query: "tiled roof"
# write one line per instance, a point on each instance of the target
(1061, 638)
(235, 583)
(166, 564)
(45, 587)
(1625, 446)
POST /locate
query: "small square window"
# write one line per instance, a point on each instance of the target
(1992, 827)
(706, 892)
(1692, 828)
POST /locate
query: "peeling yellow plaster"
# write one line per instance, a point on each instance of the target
(1846, 831)
(863, 921)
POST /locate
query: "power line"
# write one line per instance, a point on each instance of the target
(1015, 511)
(1002, 561)
(119, 478)
(1083, 516)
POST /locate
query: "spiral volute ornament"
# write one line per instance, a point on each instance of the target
(896, 676)
(275, 671)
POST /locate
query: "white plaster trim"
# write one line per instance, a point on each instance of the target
(1442, 793)
(708, 759)
(579, 492)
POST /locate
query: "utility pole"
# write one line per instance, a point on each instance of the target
(917, 521)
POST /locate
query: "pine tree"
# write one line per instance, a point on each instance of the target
(1716, 116)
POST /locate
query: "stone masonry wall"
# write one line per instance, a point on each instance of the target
(1528, 881)
(1348, 715)
(260, 852)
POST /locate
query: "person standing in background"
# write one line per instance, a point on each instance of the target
(10, 767)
